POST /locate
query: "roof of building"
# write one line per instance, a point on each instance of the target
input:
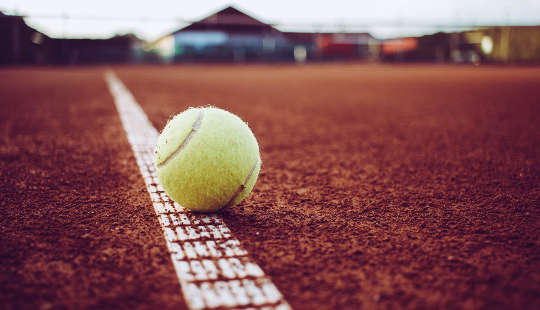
(229, 19)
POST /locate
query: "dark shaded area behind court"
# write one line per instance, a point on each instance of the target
(20, 44)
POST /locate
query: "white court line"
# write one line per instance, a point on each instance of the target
(213, 269)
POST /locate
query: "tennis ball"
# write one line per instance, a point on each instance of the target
(207, 159)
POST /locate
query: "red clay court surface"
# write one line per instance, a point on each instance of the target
(388, 187)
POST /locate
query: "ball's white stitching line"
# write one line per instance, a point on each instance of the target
(212, 267)
(243, 185)
(196, 126)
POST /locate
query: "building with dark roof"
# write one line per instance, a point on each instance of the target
(227, 35)
(231, 35)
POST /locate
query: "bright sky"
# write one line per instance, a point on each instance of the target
(382, 18)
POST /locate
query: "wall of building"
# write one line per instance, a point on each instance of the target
(512, 44)
(222, 46)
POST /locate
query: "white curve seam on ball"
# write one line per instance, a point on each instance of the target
(194, 128)
(243, 185)
(213, 269)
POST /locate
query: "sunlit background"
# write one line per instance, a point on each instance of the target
(151, 19)
(363, 30)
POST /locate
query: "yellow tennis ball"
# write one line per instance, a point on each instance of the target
(207, 159)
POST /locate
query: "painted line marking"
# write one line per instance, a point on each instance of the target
(213, 269)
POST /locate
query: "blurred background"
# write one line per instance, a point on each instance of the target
(62, 32)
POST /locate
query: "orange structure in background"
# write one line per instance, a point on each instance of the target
(344, 45)
(397, 46)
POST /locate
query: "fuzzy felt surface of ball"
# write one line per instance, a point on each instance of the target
(206, 159)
